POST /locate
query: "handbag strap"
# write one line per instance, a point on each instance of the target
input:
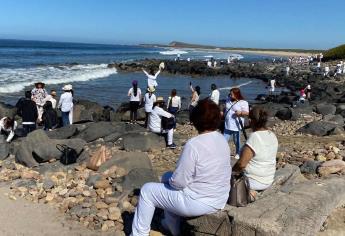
(61, 147)
(227, 111)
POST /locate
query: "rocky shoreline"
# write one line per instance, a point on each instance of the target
(311, 148)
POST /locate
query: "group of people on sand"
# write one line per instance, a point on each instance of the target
(200, 183)
(38, 108)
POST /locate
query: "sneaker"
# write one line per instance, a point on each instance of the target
(237, 157)
(171, 146)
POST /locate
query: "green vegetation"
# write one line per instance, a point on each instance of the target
(335, 53)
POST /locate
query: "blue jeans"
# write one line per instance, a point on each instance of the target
(65, 118)
(235, 136)
(173, 110)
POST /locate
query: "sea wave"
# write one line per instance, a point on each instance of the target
(15, 80)
(173, 52)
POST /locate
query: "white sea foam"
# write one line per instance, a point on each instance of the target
(15, 80)
(173, 52)
(236, 86)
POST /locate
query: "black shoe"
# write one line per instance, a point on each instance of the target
(171, 146)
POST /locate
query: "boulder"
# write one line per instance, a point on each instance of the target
(4, 148)
(127, 161)
(65, 132)
(319, 128)
(7, 110)
(182, 117)
(38, 147)
(331, 167)
(326, 109)
(310, 167)
(336, 119)
(85, 111)
(284, 114)
(96, 130)
(136, 178)
(143, 141)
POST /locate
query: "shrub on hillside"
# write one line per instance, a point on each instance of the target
(335, 53)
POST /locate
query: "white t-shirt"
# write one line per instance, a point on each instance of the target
(262, 166)
(203, 170)
(273, 84)
(176, 102)
(66, 102)
(155, 121)
(149, 102)
(215, 96)
(195, 102)
(52, 100)
(132, 97)
(231, 119)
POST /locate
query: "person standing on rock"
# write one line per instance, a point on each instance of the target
(52, 98)
(174, 104)
(199, 185)
(272, 86)
(152, 77)
(155, 122)
(66, 104)
(149, 100)
(49, 117)
(307, 91)
(214, 96)
(134, 95)
(27, 110)
(39, 95)
(258, 156)
(7, 127)
(194, 99)
(236, 109)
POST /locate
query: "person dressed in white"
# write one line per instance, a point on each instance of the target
(195, 97)
(38, 95)
(152, 77)
(134, 95)
(7, 126)
(155, 122)
(66, 104)
(272, 86)
(52, 98)
(200, 183)
(214, 96)
(209, 63)
(235, 109)
(149, 100)
(287, 70)
(326, 71)
(258, 156)
(70, 115)
(174, 104)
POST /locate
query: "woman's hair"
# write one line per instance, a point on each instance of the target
(206, 116)
(197, 89)
(237, 93)
(213, 87)
(9, 123)
(28, 94)
(135, 87)
(173, 93)
(48, 105)
(152, 71)
(258, 118)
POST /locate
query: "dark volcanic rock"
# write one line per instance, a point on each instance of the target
(284, 114)
(4, 148)
(319, 128)
(136, 178)
(142, 141)
(96, 130)
(63, 133)
(7, 110)
(326, 109)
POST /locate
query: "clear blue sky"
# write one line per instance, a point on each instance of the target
(238, 23)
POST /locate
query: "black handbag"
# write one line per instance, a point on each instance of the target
(240, 190)
(68, 155)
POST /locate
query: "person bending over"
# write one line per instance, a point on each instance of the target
(7, 127)
(258, 156)
(200, 183)
(155, 122)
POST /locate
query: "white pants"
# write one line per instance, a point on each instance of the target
(256, 185)
(40, 112)
(174, 203)
(70, 116)
(170, 134)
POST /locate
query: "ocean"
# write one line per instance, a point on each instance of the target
(22, 63)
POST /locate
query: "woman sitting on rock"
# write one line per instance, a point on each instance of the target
(258, 156)
(200, 183)
(7, 126)
(155, 122)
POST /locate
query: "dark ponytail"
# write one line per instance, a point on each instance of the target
(135, 89)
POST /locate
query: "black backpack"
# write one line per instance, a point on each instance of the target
(168, 123)
(68, 155)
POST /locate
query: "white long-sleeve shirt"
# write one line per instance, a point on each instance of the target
(152, 79)
(155, 121)
(10, 130)
(203, 170)
(149, 101)
(215, 96)
(66, 102)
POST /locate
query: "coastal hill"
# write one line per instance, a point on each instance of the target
(335, 53)
(177, 44)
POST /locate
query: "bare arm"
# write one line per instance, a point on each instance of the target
(147, 74)
(246, 155)
(158, 72)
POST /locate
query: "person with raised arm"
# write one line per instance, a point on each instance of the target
(152, 76)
